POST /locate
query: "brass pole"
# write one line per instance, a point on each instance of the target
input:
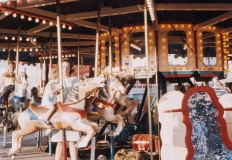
(17, 51)
(60, 70)
(110, 46)
(50, 46)
(78, 53)
(8, 55)
(97, 41)
(148, 83)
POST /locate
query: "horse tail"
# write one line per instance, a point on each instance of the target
(14, 118)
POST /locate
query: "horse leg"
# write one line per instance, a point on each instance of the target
(108, 115)
(19, 144)
(80, 125)
(17, 136)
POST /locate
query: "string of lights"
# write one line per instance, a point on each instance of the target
(37, 17)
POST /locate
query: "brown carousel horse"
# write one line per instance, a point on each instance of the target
(106, 102)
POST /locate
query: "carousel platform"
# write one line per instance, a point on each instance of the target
(29, 150)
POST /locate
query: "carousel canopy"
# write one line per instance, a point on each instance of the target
(36, 20)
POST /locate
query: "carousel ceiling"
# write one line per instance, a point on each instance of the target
(36, 20)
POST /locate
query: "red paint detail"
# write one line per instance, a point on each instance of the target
(141, 142)
(29, 1)
(186, 120)
(19, 2)
(176, 75)
(9, 3)
(208, 75)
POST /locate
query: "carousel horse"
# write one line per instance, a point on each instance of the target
(199, 127)
(70, 114)
(105, 105)
(18, 98)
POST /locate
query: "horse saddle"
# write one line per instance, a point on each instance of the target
(63, 112)
(40, 111)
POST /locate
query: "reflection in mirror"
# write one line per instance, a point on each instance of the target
(209, 48)
(107, 52)
(206, 133)
(137, 50)
(137, 44)
(177, 48)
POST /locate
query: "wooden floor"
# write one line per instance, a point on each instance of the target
(29, 151)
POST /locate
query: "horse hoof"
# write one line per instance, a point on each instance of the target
(10, 153)
(12, 157)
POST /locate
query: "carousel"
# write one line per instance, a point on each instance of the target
(83, 59)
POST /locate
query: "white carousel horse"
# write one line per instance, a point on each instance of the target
(18, 99)
(172, 130)
(67, 115)
(106, 110)
(193, 127)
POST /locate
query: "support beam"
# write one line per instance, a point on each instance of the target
(3, 15)
(73, 43)
(92, 25)
(225, 30)
(208, 35)
(108, 11)
(47, 34)
(35, 3)
(193, 6)
(63, 18)
(214, 20)
(39, 28)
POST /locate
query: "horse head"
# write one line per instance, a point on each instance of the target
(115, 84)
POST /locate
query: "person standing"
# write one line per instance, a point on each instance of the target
(71, 136)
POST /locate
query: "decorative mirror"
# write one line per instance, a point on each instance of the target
(206, 136)
(177, 48)
(209, 48)
(137, 50)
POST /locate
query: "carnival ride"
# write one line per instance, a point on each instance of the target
(168, 51)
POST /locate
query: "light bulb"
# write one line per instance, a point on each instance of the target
(70, 27)
(37, 20)
(20, 38)
(50, 23)
(14, 15)
(36, 49)
(22, 16)
(34, 39)
(30, 49)
(29, 18)
(14, 49)
(3, 49)
(6, 13)
(27, 39)
(20, 49)
(44, 22)
(25, 49)
(6, 38)
(63, 26)
(13, 38)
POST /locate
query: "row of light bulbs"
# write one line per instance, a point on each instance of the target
(51, 23)
(13, 38)
(151, 9)
(63, 56)
(20, 49)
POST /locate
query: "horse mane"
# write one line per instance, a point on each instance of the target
(34, 92)
(73, 93)
(103, 92)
